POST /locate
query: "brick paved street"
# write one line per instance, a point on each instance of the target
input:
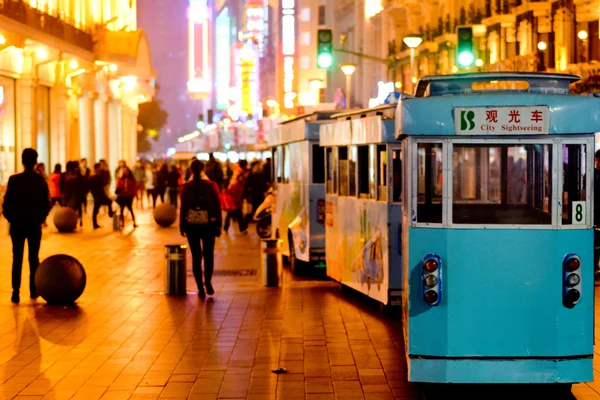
(127, 340)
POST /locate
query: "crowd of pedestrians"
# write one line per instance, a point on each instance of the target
(203, 191)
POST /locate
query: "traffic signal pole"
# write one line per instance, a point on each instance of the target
(391, 63)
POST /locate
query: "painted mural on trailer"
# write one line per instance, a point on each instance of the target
(357, 248)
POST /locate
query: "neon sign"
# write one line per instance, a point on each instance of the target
(223, 59)
(255, 24)
(288, 49)
(198, 47)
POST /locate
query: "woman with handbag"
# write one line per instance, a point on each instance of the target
(200, 220)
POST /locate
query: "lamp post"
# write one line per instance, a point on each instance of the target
(412, 41)
(348, 70)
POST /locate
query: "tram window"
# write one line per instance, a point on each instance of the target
(574, 179)
(397, 176)
(352, 171)
(318, 164)
(429, 182)
(330, 166)
(502, 184)
(382, 173)
(343, 167)
(373, 171)
(363, 172)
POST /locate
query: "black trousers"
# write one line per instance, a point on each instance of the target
(202, 245)
(33, 236)
(98, 203)
(238, 216)
(173, 196)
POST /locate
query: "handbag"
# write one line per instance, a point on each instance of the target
(197, 216)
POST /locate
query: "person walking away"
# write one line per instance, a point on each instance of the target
(99, 194)
(54, 185)
(173, 185)
(149, 178)
(125, 194)
(234, 196)
(214, 170)
(160, 185)
(188, 171)
(72, 189)
(139, 174)
(200, 221)
(26, 206)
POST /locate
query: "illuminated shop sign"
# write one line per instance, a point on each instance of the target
(288, 49)
(198, 47)
(255, 24)
(223, 59)
(372, 8)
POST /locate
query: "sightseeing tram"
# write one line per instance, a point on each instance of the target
(497, 228)
(362, 207)
(298, 212)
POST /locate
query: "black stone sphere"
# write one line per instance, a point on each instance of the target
(65, 219)
(60, 279)
(165, 215)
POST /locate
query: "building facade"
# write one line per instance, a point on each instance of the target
(72, 73)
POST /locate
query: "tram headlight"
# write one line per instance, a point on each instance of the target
(573, 280)
(431, 281)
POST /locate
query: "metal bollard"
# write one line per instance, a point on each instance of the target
(176, 279)
(271, 262)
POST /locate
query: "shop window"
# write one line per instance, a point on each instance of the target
(343, 167)
(43, 125)
(318, 164)
(429, 182)
(574, 184)
(363, 172)
(352, 159)
(502, 184)
(330, 166)
(8, 161)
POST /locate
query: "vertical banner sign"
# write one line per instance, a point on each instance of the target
(247, 67)
(255, 24)
(198, 48)
(288, 51)
(223, 59)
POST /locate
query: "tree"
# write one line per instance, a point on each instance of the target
(151, 119)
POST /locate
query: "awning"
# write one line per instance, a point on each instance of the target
(129, 50)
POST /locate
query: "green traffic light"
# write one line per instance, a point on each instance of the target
(324, 60)
(466, 59)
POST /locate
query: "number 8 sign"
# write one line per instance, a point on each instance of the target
(578, 212)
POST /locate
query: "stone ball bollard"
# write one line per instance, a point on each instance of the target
(165, 215)
(65, 219)
(60, 279)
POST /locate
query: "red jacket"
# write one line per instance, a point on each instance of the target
(126, 187)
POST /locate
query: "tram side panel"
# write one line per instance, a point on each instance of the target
(501, 317)
(358, 245)
(292, 200)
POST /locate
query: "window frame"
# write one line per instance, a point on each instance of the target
(390, 173)
(414, 149)
(313, 146)
(366, 147)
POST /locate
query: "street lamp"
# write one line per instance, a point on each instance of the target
(412, 41)
(348, 70)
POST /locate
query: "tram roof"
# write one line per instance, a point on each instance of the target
(439, 99)
(303, 127)
(365, 126)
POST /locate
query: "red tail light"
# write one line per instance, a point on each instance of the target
(431, 265)
(573, 264)
(431, 297)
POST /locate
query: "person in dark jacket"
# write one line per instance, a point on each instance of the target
(99, 194)
(125, 194)
(200, 220)
(214, 170)
(74, 189)
(160, 185)
(173, 184)
(26, 206)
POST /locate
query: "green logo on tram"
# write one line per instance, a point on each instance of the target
(467, 120)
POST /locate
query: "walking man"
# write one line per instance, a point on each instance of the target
(26, 206)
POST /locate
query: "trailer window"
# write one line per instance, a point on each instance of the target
(574, 184)
(329, 159)
(363, 172)
(277, 164)
(343, 167)
(373, 170)
(286, 164)
(502, 184)
(318, 164)
(429, 182)
(396, 176)
(352, 171)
